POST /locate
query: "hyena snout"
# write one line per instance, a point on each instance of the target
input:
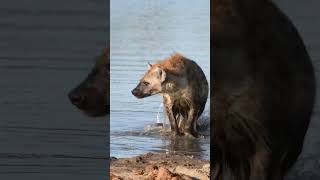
(135, 92)
(89, 100)
(77, 99)
(138, 92)
(80, 97)
(92, 95)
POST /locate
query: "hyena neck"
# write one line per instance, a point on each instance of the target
(168, 87)
(174, 90)
(174, 83)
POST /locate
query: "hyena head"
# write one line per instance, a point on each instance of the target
(92, 95)
(151, 83)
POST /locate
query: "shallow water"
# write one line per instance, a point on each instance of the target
(47, 48)
(146, 31)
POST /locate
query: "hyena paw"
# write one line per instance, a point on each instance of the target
(190, 135)
(175, 134)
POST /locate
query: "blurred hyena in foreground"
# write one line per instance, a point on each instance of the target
(92, 95)
(184, 88)
(263, 94)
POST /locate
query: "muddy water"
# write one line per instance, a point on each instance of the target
(46, 48)
(145, 31)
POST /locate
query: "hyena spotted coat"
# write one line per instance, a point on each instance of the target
(184, 88)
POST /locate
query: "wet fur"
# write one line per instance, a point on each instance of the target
(184, 91)
(188, 72)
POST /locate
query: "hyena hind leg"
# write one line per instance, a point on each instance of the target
(189, 128)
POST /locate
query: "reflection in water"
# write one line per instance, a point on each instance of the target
(184, 146)
(156, 140)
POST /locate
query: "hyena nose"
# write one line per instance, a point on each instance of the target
(77, 99)
(134, 92)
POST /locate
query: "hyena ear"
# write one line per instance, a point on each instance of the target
(149, 66)
(162, 75)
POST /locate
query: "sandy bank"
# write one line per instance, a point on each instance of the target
(159, 167)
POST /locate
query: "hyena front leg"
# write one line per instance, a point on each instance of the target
(167, 101)
(172, 120)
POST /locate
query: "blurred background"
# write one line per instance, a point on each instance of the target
(46, 49)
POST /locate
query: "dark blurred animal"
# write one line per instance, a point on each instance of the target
(92, 95)
(263, 90)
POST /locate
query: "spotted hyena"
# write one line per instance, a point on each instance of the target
(184, 88)
(263, 91)
(92, 95)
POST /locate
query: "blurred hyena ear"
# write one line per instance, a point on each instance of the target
(162, 75)
(149, 66)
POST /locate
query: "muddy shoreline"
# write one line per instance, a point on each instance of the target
(154, 166)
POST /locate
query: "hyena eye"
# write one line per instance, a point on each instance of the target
(145, 83)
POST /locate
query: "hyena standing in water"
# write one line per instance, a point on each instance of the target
(184, 88)
(92, 95)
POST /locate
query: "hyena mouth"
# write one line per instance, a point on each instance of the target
(97, 111)
(140, 96)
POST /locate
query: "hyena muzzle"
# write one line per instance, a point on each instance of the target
(92, 95)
